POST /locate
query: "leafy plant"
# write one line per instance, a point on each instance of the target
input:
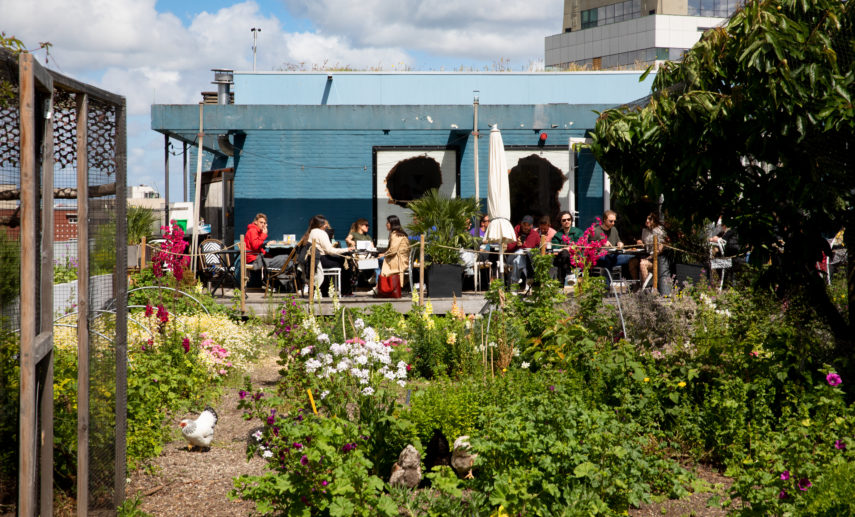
(444, 222)
(140, 222)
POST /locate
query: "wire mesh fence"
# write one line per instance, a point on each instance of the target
(93, 250)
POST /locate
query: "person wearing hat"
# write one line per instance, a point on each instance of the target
(527, 239)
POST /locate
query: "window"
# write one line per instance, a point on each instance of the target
(71, 219)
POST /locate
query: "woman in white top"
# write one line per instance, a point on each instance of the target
(652, 228)
(328, 255)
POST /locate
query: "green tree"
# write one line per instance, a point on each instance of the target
(756, 123)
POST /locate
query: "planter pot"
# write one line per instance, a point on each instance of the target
(134, 255)
(444, 280)
(692, 272)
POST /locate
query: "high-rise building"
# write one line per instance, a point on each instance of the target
(609, 34)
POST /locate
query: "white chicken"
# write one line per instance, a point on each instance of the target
(200, 432)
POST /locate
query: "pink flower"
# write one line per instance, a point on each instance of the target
(186, 344)
(304, 460)
(839, 445)
(782, 494)
(754, 354)
(785, 475)
(833, 379)
(149, 310)
(804, 484)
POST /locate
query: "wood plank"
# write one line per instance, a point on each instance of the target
(120, 284)
(73, 85)
(27, 419)
(83, 309)
(107, 189)
(43, 345)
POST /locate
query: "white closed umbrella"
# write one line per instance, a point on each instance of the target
(500, 229)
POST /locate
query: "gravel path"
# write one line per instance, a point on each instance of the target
(199, 482)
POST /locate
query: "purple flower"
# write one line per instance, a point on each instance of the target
(324, 483)
(551, 388)
(272, 418)
(785, 475)
(840, 445)
(782, 494)
(299, 418)
(304, 460)
(242, 394)
(804, 484)
(257, 396)
(833, 379)
(297, 445)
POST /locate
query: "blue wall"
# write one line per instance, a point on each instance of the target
(439, 88)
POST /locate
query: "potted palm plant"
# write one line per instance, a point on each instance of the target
(444, 221)
(140, 222)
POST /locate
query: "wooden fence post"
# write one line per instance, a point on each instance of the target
(312, 277)
(655, 262)
(422, 269)
(242, 275)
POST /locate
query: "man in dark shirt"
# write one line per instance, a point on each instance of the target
(607, 230)
(566, 236)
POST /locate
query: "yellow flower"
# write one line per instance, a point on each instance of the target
(806, 422)
(430, 324)
(647, 379)
(681, 384)
(452, 338)
(428, 307)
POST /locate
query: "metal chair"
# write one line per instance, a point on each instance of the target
(215, 268)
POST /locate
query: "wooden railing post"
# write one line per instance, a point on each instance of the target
(142, 253)
(422, 269)
(242, 275)
(655, 262)
(312, 276)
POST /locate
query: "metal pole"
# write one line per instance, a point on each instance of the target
(186, 166)
(255, 31)
(166, 173)
(475, 133)
(195, 240)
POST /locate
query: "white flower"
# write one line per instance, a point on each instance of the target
(516, 352)
(361, 360)
(369, 334)
(368, 391)
(267, 454)
(401, 383)
(307, 350)
(323, 338)
(312, 365)
(491, 344)
(257, 435)
(324, 394)
(359, 324)
(525, 365)
(390, 375)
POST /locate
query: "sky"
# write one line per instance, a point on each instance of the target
(162, 51)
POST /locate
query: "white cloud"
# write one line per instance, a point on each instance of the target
(480, 30)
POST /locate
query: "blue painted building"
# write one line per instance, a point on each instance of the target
(353, 144)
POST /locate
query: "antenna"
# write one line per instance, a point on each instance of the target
(255, 31)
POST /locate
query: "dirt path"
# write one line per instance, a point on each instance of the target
(694, 505)
(198, 483)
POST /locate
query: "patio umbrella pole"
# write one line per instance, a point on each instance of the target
(195, 240)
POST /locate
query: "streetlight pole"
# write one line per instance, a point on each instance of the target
(255, 32)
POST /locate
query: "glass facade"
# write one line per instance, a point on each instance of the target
(635, 59)
(612, 13)
(713, 8)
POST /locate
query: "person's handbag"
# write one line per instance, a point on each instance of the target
(389, 287)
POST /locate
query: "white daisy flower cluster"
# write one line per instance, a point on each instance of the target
(364, 359)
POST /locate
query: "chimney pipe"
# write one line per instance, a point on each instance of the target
(223, 78)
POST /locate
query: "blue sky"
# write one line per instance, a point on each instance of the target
(161, 51)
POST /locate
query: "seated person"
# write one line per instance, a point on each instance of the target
(358, 232)
(545, 229)
(563, 238)
(481, 230)
(398, 252)
(527, 239)
(256, 234)
(642, 267)
(329, 256)
(607, 230)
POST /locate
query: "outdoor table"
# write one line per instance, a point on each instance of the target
(274, 249)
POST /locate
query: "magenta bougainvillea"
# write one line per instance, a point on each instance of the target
(585, 252)
(170, 256)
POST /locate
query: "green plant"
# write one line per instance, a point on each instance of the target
(444, 221)
(140, 221)
(10, 268)
(65, 270)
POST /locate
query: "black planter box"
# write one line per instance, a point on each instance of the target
(444, 280)
(693, 272)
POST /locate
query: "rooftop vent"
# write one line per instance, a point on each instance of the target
(224, 79)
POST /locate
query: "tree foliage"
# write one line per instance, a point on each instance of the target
(444, 221)
(755, 123)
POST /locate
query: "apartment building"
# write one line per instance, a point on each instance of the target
(605, 34)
